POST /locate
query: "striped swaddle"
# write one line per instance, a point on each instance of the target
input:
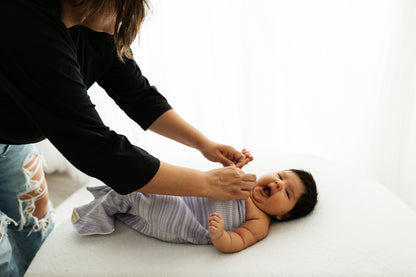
(165, 217)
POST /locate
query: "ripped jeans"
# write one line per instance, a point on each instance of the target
(25, 209)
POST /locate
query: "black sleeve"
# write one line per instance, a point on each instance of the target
(40, 73)
(127, 86)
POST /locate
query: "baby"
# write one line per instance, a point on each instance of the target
(229, 225)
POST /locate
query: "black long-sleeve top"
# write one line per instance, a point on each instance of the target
(45, 71)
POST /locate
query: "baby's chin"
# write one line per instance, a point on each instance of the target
(259, 207)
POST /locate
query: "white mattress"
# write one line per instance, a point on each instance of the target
(358, 228)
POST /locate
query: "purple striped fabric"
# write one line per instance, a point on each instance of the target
(168, 218)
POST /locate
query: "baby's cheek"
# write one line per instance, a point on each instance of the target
(262, 182)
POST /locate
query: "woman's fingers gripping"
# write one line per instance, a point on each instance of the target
(230, 183)
(248, 181)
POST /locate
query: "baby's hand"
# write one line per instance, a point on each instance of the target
(247, 157)
(216, 226)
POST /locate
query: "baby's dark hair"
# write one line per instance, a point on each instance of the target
(307, 201)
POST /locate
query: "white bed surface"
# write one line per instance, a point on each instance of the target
(358, 228)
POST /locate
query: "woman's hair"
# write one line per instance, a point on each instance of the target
(308, 200)
(130, 15)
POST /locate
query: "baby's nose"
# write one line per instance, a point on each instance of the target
(277, 185)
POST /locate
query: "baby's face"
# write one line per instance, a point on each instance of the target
(276, 193)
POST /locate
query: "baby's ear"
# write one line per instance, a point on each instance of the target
(282, 217)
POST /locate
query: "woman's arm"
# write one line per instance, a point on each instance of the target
(172, 126)
(248, 234)
(226, 183)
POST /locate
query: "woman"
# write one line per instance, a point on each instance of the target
(51, 52)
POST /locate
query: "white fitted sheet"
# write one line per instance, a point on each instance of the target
(358, 228)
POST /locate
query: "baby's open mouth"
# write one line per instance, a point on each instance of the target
(266, 191)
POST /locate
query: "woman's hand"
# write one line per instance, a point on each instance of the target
(226, 155)
(172, 126)
(225, 183)
(229, 183)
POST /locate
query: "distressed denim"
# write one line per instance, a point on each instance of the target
(22, 234)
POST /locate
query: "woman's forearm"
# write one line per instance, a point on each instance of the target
(226, 183)
(180, 181)
(172, 126)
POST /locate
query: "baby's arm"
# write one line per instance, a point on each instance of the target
(247, 234)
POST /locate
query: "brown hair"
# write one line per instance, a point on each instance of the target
(130, 15)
